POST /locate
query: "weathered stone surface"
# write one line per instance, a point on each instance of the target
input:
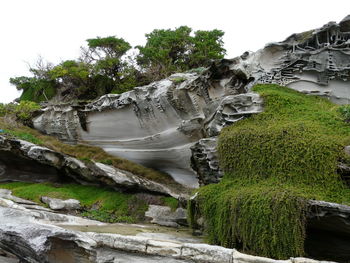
(54, 166)
(163, 120)
(205, 161)
(160, 122)
(58, 204)
(162, 215)
(207, 253)
(33, 237)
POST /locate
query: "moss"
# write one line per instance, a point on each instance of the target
(274, 162)
(171, 202)
(99, 203)
(178, 80)
(23, 136)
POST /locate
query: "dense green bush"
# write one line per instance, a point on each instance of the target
(167, 51)
(274, 162)
(22, 111)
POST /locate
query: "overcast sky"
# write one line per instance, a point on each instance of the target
(55, 30)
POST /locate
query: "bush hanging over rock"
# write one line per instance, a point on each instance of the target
(274, 162)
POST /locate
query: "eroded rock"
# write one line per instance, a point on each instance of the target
(37, 240)
(163, 120)
(46, 165)
(164, 216)
(58, 204)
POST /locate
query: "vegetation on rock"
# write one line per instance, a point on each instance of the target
(168, 51)
(274, 162)
(81, 151)
(98, 203)
(105, 67)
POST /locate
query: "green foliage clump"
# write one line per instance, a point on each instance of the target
(259, 219)
(171, 202)
(345, 112)
(22, 111)
(178, 80)
(107, 66)
(35, 88)
(167, 51)
(98, 203)
(274, 162)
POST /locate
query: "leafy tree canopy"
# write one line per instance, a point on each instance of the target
(168, 51)
(104, 65)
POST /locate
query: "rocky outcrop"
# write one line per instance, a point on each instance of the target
(26, 161)
(59, 204)
(205, 161)
(33, 236)
(328, 231)
(164, 216)
(156, 125)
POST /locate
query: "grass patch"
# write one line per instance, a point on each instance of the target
(274, 162)
(171, 202)
(99, 203)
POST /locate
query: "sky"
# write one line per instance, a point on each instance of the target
(55, 30)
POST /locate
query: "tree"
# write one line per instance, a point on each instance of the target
(206, 46)
(165, 51)
(107, 56)
(168, 51)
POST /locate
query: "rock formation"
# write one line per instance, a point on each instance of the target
(156, 125)
(40, 236)
(25, 161)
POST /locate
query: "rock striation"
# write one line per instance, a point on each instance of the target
(156, 125)
(35, 236)
(25, 161)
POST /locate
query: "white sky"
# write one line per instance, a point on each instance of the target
(55, 29)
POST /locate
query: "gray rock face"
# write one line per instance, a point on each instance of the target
(49, 165)
(58, 204)
(33, 237)
(156, 125)
(205, 161)
(162, 215)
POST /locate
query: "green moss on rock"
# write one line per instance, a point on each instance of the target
(274, 162)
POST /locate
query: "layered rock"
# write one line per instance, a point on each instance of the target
(156, 125)
(24, 161)
(34, 236)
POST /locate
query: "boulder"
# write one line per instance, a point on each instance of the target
(164, 216)
(58, 204)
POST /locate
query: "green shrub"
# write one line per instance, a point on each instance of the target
(22, 111)
(25, 109)
(273, 163)
(345, 112)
